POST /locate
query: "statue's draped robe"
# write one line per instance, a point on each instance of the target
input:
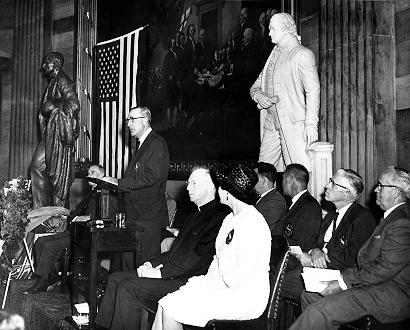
(59, 125)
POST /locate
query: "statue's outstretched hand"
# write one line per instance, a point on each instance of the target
(265, 101)
(310, 134)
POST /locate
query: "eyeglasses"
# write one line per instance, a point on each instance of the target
(380, 186)
(131, 119)
(333, 184)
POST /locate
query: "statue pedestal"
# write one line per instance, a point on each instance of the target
(320, 154)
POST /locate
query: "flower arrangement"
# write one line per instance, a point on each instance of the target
(15, 202)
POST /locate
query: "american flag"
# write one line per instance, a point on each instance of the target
(116, 70)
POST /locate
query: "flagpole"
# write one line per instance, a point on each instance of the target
(123, 36)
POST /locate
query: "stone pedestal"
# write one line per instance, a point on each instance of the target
(320, 154)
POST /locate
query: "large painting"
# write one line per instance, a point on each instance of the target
(200, 59)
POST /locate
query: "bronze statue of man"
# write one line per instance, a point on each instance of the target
(52, 169)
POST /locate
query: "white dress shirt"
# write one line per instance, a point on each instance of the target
(329, 231)
(144, 136)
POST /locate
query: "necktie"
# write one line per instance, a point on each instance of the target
(137, 144)
(334, 221)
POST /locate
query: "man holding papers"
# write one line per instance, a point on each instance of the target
(146, 177)
(380, 283)
(341, 233)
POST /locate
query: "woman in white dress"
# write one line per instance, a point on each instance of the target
(236, 286)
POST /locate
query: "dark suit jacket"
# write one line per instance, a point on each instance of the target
(272, 206)
(302, 222)
(193, 249)
(300, 225)
(383, 271)
(146, 205)
(355, 228)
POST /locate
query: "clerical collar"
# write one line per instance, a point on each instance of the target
(390, 210)
(207, 205)
(144, 136)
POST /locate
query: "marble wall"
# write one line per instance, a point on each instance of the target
(402, 33)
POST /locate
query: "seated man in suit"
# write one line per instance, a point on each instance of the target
(190, 255)
(302, 221)
(48, 249)
(380, 283)
(341, 233)
(271, 203)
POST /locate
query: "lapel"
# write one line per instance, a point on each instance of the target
(298, 203)
(139, 154)
(346, 220)
(146, 143)
(380, 227)
(390, 218)
(344, 223)
(260, 201)
(325, 225)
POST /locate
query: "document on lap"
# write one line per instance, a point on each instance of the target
(295, 250)
(313, 278)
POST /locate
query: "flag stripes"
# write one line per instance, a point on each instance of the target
(116, 70)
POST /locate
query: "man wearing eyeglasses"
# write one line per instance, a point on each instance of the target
(146, 177)
(380, 283)
(341, 233)
(344, 231)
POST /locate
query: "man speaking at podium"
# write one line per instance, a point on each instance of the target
(146, 177)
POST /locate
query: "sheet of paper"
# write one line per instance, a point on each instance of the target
(314, 276)
(82, 308)
(295, 250)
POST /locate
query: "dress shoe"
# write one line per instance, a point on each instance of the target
(40, 286)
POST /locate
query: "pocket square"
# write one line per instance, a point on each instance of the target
(376, 236)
